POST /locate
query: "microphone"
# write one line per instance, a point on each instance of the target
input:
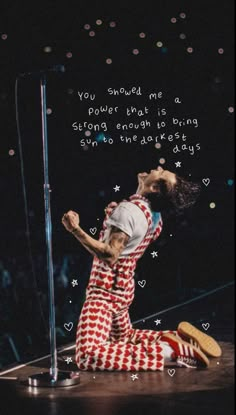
(54, 68)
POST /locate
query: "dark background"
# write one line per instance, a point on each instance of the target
(198, 257)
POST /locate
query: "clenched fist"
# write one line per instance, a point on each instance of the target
(70, 220)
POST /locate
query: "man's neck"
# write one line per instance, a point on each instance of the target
(141, 191)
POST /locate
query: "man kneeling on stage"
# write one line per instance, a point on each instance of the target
(105, 339)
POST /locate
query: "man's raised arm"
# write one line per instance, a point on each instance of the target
(109, 252)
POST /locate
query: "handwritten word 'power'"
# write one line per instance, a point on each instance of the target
(102, 109)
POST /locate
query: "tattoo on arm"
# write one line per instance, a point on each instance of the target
(118, 237)
(117, 243)
(109, 251)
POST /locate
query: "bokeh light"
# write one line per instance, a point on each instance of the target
(3, 95)
(47, 49)
(108, 61)
(182, 15)
(173, 20)
(162, 160)
(69, 55)
(220, 51)
(98, 22)
(49, 111)
(217, 80)
(182, 36)
(190, 50)
(159, 44)
(4, 36)
(158, 145)
(112, 24)
(231, 109)
(142, 35)
(212, 205)
(135, 51)
(70, 91)
(85, 148)
(164, 50)
(91, 33)
(100, 137)
(87, 26)
(87, 133)
(11, 152)
(230, 182)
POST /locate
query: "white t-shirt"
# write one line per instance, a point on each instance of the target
(130, 219)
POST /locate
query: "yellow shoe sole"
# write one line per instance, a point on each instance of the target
(206, 342)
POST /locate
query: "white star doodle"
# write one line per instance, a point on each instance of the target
(157, 322)
(68, 360)
(178, 163)
(116, 188)
(74, 283)
(133, 377)
(154, 254)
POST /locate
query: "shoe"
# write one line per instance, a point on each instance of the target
(191, 334)
(185, 354)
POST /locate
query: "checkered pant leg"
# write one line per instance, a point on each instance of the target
(106, 341)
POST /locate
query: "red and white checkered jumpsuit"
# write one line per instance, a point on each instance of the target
(105, 339)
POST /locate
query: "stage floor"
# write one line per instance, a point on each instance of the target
(188, 391)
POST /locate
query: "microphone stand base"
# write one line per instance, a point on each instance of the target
(45, 379)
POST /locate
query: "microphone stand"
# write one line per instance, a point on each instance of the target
(54, 377)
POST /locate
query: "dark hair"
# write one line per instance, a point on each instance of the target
(174, 198)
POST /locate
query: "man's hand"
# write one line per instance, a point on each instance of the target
(70, 220)
(141, 177)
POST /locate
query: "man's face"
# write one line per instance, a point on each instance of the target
(151, 178)
(156, 174)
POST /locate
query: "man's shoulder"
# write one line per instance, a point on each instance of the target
(132, 207)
